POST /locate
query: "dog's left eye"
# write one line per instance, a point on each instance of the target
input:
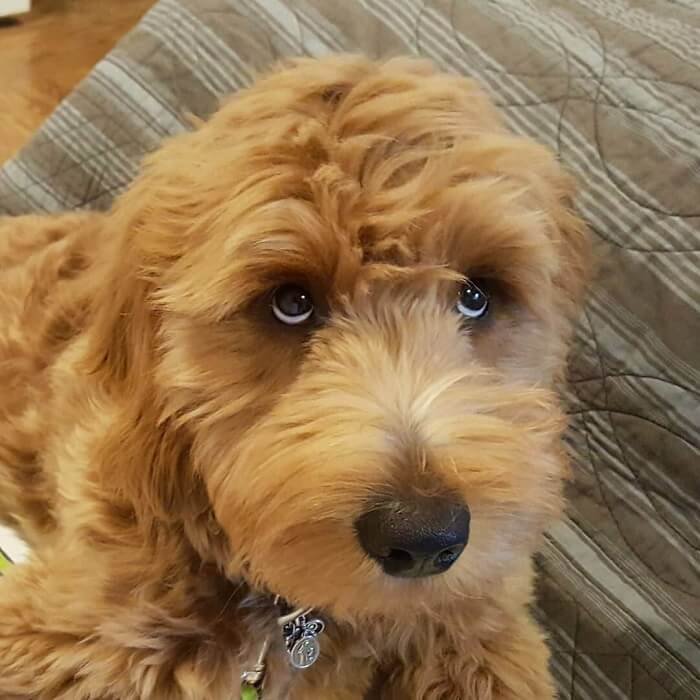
(292, 305)
(472, 302)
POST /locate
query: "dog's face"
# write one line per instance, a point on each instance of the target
(363, 286)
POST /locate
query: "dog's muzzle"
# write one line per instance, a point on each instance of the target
(412, 539)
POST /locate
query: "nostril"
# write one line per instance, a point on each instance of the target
(447, 557)
(400, 556)
(399, 561)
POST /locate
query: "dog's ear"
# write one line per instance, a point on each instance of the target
(145, 461)
(552, 190)
(121, 341)
(144, 456)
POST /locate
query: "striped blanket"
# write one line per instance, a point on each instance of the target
(614, 87)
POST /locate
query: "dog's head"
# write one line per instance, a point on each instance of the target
(338, 309)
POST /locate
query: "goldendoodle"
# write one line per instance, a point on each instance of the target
(282, 423)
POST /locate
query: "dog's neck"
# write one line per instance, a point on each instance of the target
(270, 632)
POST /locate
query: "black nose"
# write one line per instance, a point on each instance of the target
(415, 538)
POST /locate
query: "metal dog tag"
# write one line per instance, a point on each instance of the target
(305, 652)
(301, 639)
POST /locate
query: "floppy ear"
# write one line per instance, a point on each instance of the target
(553, 190)
(122, 332)
(144, 457)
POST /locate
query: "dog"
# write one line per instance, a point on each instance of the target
(303, 374)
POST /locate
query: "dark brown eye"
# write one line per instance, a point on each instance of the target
(292, 305)
(473, 302)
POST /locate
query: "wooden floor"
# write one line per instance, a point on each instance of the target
(45, 53)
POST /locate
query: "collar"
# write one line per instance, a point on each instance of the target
(299, 630)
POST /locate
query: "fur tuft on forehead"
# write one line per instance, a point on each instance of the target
(325, 167)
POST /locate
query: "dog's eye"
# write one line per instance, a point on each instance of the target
(473, 302)
(292, 305)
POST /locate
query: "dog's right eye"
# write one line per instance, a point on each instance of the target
(473, 301)
(292, 305)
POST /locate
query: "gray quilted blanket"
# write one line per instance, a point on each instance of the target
(614, 87)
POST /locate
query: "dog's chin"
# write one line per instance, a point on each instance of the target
(366, 595)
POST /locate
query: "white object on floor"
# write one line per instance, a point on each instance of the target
(14, 7)
(12, 545)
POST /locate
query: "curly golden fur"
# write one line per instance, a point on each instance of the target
(175, 455)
